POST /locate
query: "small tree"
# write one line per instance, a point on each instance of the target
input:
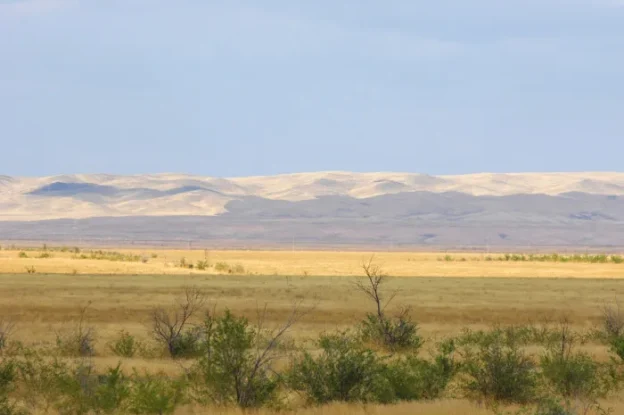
(173, 328)
(573, 375)
(237, 365)
(397, 333)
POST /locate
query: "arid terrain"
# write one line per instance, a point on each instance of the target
(153, 261)
(43, 291)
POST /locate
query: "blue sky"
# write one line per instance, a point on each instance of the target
(244, 87)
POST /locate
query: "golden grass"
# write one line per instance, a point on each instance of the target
(470, 296)
(316, 263)
(44, 304)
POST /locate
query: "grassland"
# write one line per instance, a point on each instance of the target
(297, 263)
(123, 289)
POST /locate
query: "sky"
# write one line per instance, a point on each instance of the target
(259, 87)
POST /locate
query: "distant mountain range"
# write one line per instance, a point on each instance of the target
(321, 209)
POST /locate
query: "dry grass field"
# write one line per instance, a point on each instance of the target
(473, 294)
(296, 263)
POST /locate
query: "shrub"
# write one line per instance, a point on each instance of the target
(44, 255)
(412, 378)
(230, 269)
(31, 270)
(236, 367)
(617, 259)
(498, 373)
(396, 334)
(345, 371)
(573, 374)
(613, 320)
(6, 329)
(111, 392)
(172, 328)
(22, 254)
(79, 340)
(187, 344)
(202, 265)
(154, 394)
(617, 346)
(237, 269)
(125, 345)
(7, 385)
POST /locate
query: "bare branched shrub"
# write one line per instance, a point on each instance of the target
(613, 320)
(6, 329)
(173, 327)
(80, 339)
(394, 333)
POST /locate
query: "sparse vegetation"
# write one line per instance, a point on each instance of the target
(174, 328)
(202, 265)
(545, 369)
(126, 345)
(224, 267)
(107, 256)
(394, 334)
(575, 258)
(78, 340)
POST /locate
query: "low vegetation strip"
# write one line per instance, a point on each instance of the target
(576, 258)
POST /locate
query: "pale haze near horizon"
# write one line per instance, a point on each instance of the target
(237, 88)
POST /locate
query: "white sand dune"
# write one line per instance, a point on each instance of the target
(93, 195)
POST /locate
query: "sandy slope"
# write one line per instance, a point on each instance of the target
(82, 196)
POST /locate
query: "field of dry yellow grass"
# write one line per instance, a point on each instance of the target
(444, 296)
(296, 263)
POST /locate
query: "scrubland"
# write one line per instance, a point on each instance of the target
(520, 306)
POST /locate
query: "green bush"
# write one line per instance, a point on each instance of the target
(399, 333)
(412, 378)
(498, 373)
(574, 375)
(126, 345)
(112, 391)
(187, 344)
(154, 394)
(22, 254)
(202, 265)
(617, 346)
(235, 367)
(8, 375)
(345, 371)
(76, 342)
